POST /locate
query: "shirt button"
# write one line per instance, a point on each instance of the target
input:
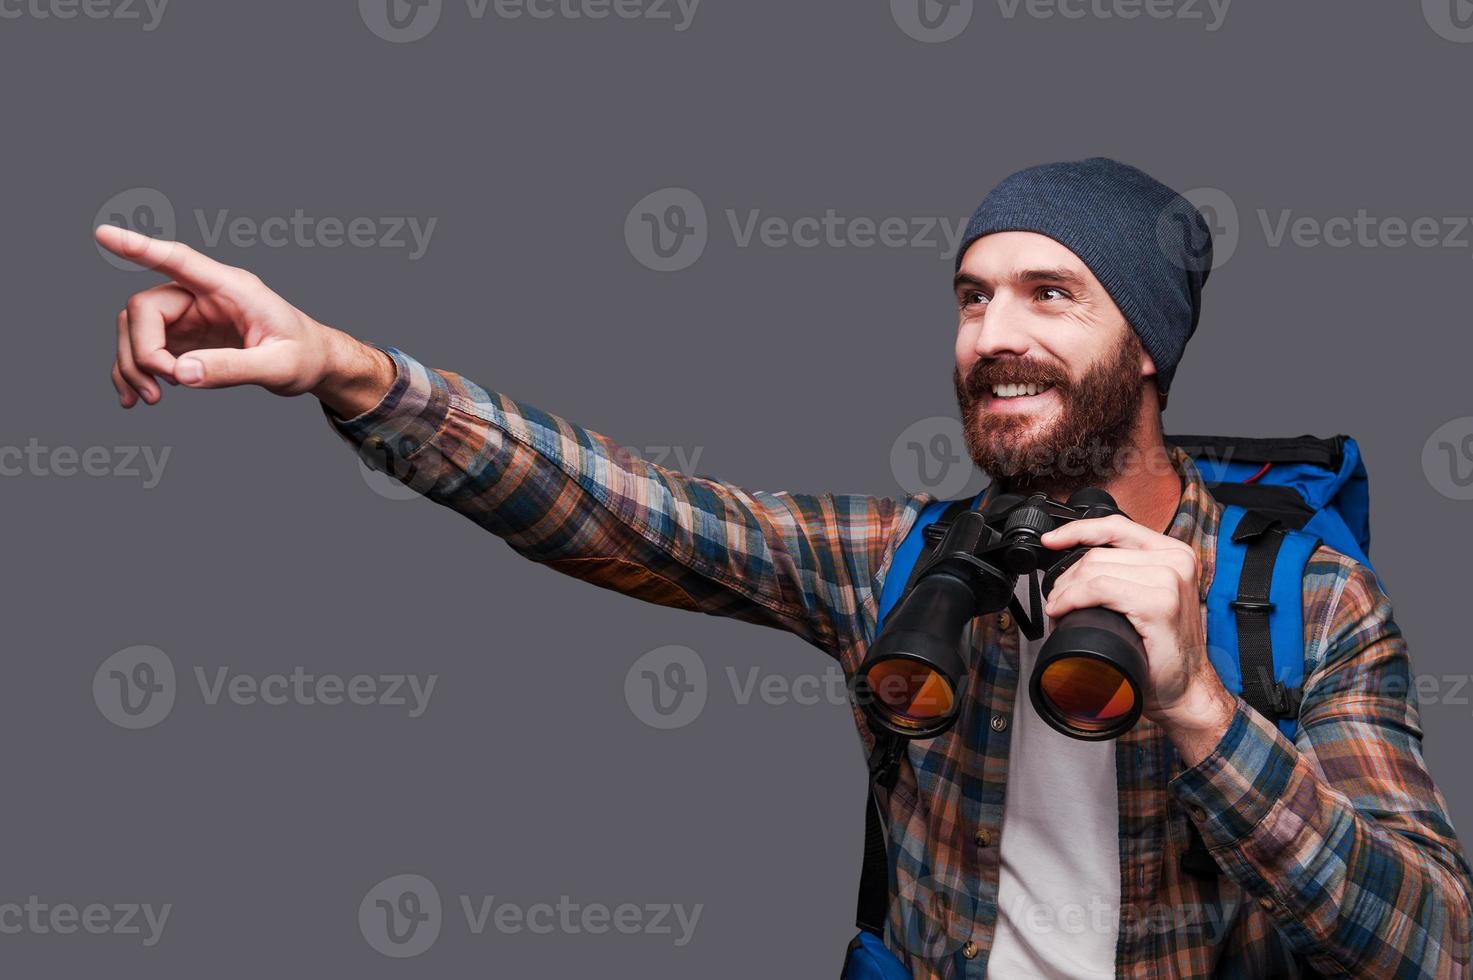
(1266, 903)
(1004, 621)
(999, 722)
(983, 838)
(1197, 812)
(970, 950)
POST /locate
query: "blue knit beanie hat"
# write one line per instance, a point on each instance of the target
(1147, 245)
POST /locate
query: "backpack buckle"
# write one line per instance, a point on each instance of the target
(1252, 605)
(884, 760)
(1284, 699)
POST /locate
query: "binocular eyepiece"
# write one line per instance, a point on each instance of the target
(1089, 680)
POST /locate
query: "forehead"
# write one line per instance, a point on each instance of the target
(1006, 253)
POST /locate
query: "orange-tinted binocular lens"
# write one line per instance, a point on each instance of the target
(912, 694)
(1087, 695)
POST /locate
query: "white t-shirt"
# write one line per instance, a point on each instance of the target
(1058, 892)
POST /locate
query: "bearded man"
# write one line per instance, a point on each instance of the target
(1078, 285)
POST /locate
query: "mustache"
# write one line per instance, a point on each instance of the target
(984, 374)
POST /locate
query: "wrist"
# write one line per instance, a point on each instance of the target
(356, 375)
(1199, 719)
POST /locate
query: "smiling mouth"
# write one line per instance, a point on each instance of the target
(1011, 391)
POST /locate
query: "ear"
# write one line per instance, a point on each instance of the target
(1148, 371)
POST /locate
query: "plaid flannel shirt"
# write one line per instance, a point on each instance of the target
(1337, 852)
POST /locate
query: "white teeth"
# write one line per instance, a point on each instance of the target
(1015, 390)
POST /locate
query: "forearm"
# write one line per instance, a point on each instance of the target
(570, 498)
(1382, 893)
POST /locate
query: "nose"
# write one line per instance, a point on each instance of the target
(1002, 331)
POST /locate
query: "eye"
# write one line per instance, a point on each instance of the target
(1043, 293)
(972, 298)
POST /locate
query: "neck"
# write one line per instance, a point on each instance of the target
(1149, 490)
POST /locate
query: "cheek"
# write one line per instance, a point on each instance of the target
(966, 348)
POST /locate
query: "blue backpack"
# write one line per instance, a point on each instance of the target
(1281, 498)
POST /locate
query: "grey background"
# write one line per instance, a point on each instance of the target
(263, 548)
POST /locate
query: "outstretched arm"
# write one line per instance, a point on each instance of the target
(574, 500)
(559, 494)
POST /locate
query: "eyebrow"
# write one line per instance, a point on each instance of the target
(1059, 275)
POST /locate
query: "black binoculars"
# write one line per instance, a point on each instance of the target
(1089, 679)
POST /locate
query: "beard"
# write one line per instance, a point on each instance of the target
(1080, 447)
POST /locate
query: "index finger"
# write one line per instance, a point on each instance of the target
(1117, 530)
(174, 259)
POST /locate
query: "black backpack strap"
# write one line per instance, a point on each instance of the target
(884, 766)
(1264, 694)
(1261, 690)
(874, 876)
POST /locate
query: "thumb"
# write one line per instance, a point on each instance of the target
(224, 367)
